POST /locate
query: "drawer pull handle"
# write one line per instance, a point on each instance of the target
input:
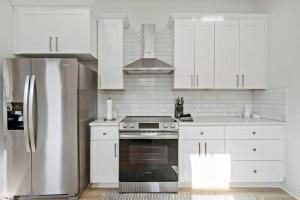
(254, 133)
(254, 149)
(255, 171)
(104, 133)
(115, 150)
(201, 133)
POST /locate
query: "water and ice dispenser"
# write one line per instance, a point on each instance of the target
(15, 116)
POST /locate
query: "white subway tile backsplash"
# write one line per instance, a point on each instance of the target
(154, 95)
(271, 103)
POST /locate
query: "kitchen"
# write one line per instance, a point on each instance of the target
(219, 150)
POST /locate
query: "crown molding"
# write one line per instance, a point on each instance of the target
(75, 3)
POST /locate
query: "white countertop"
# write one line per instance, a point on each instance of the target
(204, 121)
(101, 122)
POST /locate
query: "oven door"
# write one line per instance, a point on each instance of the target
(148, 160)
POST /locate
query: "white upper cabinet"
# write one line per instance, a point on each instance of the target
(111, 52)
(33, 31)
(69, 36)
(184, 38)
(227, 54)
(194, 54)
(204, 54)
(213, 52)
(47, 30)
(253, 54)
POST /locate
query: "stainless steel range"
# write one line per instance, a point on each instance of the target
(148, 154)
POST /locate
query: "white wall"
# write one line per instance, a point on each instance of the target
(6, 29)
(6, 49)
(158, 11)
(284, 71)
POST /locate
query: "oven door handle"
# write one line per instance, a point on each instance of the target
(149, 134)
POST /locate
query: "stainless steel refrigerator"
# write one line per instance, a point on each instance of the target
(47, 106)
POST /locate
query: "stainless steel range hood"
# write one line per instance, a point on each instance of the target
(148, 63)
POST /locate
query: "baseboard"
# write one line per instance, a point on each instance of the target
(256, 185)
(105, 185)
(240, 185)
(290, 193)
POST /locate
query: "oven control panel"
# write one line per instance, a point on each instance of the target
(151, 126)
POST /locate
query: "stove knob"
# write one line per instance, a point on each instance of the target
(172, 125)
(131, 126)
(165, 125)
(124, 125)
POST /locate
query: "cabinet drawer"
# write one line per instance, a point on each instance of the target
(253, 132)
(254, 149)
(259, 171)
(201, 132)
(104, 133)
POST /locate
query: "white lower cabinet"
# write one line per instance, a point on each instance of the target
(257, 171)
(104, 156)
(201, 159)
(104, 161)
(254, 149)
(249, 154)
(256, 153)
(196, 156)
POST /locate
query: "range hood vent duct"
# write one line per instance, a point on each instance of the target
(148, 64)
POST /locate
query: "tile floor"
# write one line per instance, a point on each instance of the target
(262, 193)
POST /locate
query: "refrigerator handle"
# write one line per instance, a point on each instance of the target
(25, 113)
(30, 113)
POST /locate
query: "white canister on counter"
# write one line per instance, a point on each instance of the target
(109, 109)
(247, 111)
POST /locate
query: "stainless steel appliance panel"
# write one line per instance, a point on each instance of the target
(147, 187)
(18, 156)
(55, 161)
(87, 105)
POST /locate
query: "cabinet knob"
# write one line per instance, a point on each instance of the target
(104, 133)
(201, 133)
(254, 171)
(254, 149)
(254, 133)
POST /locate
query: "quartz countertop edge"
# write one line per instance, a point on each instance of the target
(235, 121)
(102, 122)
(205, 121)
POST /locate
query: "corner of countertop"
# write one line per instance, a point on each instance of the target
(102, 122)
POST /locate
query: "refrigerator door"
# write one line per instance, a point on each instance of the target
(53, 116)
(16, 73)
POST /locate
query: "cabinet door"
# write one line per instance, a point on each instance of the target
(104, 161)
(204, 55)
(71, 32)
(189, 150)
(34, 31)
(212, 168)
(184, 75)
(200, 169)
(253, 54)
(111, 60)
(227, 54)
(213, 147)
